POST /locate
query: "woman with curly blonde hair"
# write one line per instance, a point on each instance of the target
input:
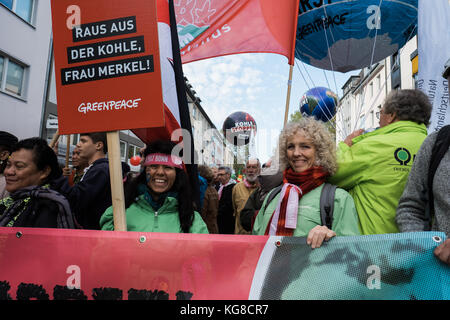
(307, 155)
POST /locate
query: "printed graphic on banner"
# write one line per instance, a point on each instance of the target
(108, 71)
(378, 267)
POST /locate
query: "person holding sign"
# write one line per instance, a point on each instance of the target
(90, 197)
(159, 199)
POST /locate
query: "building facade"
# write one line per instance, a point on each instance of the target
(363, 94)
(25, 46)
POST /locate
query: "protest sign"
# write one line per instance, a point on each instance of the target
(108, 74)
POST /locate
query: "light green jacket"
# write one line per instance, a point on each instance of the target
(142, 217)
(375, 170)
(345, 218)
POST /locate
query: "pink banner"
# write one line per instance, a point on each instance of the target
(47, 263)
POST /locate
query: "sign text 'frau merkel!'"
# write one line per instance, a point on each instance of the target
(106, 49)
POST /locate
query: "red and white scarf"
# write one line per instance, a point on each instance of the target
(296, 184)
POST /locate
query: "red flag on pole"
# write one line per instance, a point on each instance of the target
(211, 28)
(176, 109)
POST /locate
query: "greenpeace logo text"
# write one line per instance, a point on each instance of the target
(86, 107)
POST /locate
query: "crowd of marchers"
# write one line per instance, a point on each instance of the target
(393, 179)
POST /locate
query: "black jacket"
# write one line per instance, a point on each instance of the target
(225, 217)
(91, 196)
(36, 207)
(256, 199)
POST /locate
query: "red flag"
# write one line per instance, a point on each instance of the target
(211, 28)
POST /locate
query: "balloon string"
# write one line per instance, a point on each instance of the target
(334, 125)
(329, 51)
(362, 97)
(389, 75)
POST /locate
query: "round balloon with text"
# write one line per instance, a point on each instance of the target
(238, 128)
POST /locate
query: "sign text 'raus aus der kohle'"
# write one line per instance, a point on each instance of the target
(107, 65)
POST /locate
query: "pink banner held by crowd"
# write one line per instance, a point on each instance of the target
(211, 28)
(49, 263)
(60, 264)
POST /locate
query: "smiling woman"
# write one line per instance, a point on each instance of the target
(307, 158)
(159, 199)
(29, 170)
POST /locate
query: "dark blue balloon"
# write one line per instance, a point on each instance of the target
(346, 35)
(319, 102)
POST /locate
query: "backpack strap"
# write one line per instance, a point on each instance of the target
(272, 194)
(327, 204)
(440, 147)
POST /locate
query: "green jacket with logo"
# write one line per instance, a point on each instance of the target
(374, 170)
(142, 217)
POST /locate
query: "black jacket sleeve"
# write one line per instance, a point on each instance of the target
(251, 206)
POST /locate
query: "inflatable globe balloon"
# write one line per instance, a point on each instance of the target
(238, 127)
(345, 35)
(319, 102)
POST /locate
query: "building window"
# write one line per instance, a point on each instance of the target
(12, 75)
(23, 8)
(14, 78)
(76, 138)
(1, 67)
(123, 147)
(132, 151)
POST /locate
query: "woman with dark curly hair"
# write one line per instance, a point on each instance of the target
(307, 158)
(159, 199)
(374, 167)
(28, 173)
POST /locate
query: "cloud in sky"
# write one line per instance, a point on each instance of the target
(253, 83)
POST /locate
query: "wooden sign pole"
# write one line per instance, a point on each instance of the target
(288, 97)
(115, 172)
(68, 151)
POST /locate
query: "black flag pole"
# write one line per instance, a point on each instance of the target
(185, 120)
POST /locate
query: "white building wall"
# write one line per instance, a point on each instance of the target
(360, 107)
(28, 44)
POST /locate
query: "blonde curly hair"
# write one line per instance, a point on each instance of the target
(319, 135)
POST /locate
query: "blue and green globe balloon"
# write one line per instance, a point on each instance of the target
(319, 102)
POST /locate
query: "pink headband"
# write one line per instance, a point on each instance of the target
(164, 159)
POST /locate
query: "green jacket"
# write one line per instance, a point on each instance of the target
(375, 170)
(345, 218)
(142, 217)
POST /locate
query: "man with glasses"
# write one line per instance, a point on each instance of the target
(225, 217)
(373, 167)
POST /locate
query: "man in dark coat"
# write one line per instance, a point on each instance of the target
(225, 217)
(92, 195)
